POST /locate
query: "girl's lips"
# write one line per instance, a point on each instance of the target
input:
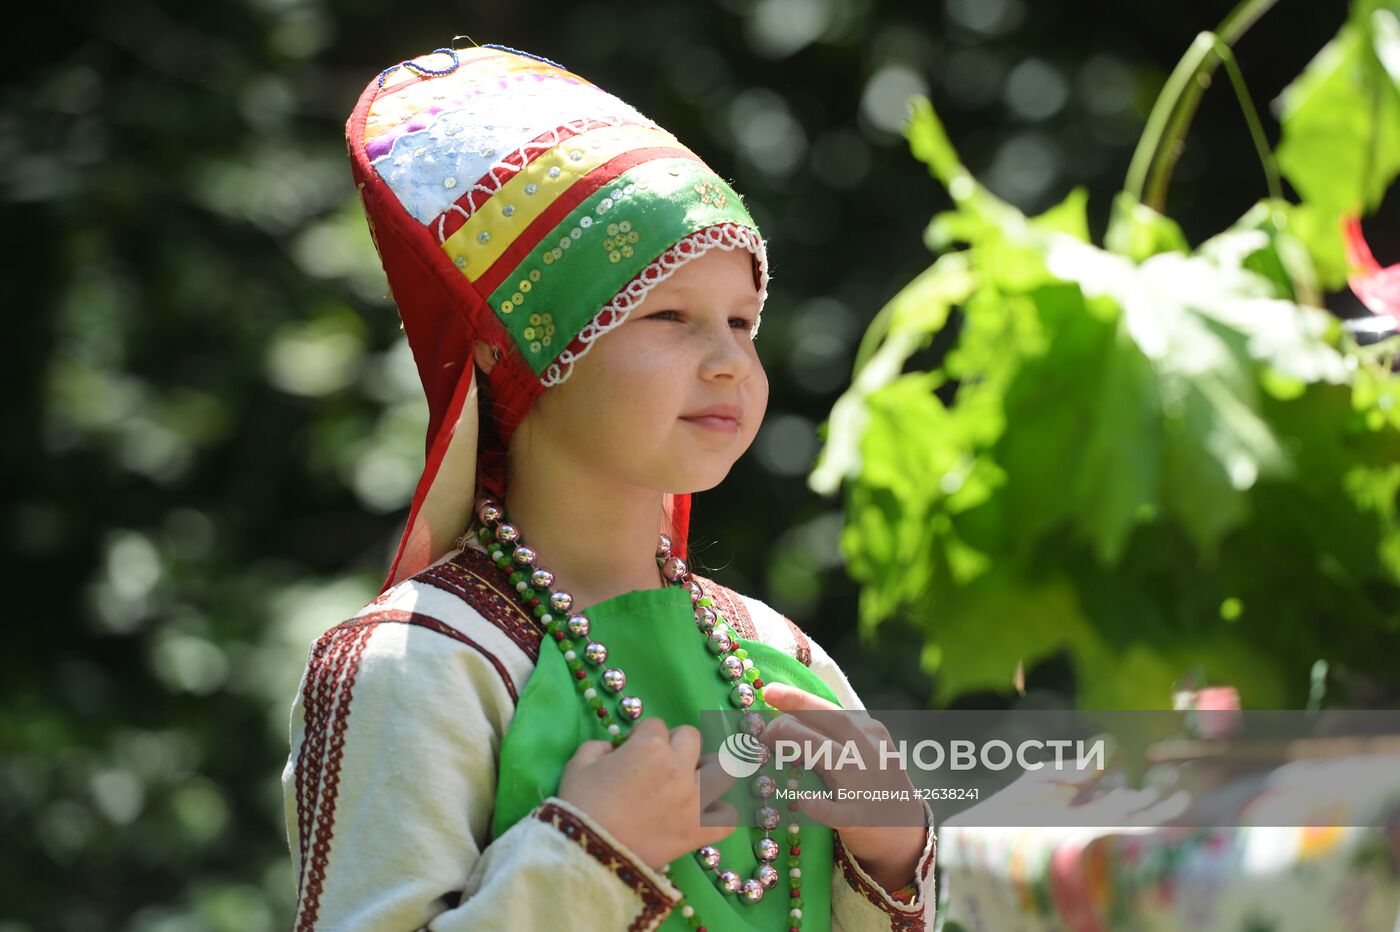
(725, 425)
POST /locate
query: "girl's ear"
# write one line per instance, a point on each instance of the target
(486, 356)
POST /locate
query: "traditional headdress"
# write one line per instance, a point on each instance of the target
(514, 202)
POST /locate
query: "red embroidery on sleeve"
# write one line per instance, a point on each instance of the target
(655, 902)
(731, 605)
(909, 919)
(472, 577)
(804, 649)
(329, 688)
(330, 680)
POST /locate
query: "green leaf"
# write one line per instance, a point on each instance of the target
(1261, 241)
(906, 323)
(1031, 623)
(1155, 460)
(1070, 216)
(1319, 231)
(1137, 231)
(1340, 145)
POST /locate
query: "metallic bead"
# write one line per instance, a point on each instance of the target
(595, 653)
(767, 818)
(578, 626)
(763, 786)
(767, 875)
(729, 882)
(541, 579)
(751, 891)
(731, 667)
(524, 556)
(696, 593)
(631, 707)
(507, 533)
(766, 849)
(614, 680)
(561, 601)
(752, 723)
(742, 695)
(718, 642)
(674, 569)
(663, 547)
(705, 618)
(708, 857)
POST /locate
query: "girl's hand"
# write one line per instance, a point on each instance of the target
(649, 793)
(888, 853)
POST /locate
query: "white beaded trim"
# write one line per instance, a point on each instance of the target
(729, 236)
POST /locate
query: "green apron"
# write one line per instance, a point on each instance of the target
(651, 636)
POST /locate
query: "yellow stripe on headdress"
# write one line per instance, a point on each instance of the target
(508, 212)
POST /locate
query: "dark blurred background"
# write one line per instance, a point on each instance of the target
(213, 424)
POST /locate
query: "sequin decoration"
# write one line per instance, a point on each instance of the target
(621, 240)
(711, 195)
(474, 127)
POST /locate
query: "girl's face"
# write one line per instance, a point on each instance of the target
(630, 410)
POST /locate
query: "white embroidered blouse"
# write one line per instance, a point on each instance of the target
(389, 788)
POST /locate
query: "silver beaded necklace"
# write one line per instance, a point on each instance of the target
(553, 608)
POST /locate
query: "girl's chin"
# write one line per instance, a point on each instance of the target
(698, 481)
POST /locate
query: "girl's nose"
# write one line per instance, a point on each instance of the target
(725, 356)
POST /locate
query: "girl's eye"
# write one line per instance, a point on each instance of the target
(738, 323)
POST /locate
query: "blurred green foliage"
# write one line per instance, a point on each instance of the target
(1162, 461)
(214, 425)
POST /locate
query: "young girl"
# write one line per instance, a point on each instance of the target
(505, 737)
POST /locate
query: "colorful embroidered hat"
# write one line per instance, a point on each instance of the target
(516, 203)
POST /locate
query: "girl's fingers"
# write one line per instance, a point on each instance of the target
(719, 821)
(789, 728)
(789, 698)
(590, 751)
(824, 811)
(649, 727)
(685, 740)
(714, 782)
(800, 704)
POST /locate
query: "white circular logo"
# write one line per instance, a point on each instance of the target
(741, 755)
